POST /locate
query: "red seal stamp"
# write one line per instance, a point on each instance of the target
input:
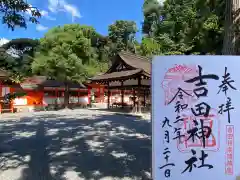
(174, 78)
(173, 83)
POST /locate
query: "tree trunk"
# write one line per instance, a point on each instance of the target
(230, 35)
(66, 96)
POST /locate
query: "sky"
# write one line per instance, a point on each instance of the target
(96, 13)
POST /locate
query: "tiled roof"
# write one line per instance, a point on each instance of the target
(136, 61)
(54, 83)
(3, 74)
(138, 64)
(42, 80)
(115, 75)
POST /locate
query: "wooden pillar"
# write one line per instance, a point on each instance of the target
(12, 90)
(139, 95)
(78, 96)
(102, 94)
(109, 94)
(99, 92)
(56, 93)
(89, 95)
(56, 96)
(11, 102)
(122, 94)
(134, 98)
(144, 98)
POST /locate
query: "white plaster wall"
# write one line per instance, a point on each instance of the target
(51, 100)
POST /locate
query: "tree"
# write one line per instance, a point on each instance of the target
(62, 64)
(150, 47)
(100, 43)
(16, 57)
(14, 13)
(122, 36)
(21, 46)
(185, 26)
(232, 20)
(152, 14)
(68, 54)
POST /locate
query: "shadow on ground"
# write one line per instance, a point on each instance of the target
(124, 110)
(54, 146)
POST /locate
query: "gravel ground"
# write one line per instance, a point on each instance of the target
(74, 145)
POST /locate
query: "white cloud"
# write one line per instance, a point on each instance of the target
(62, 5)
(40, 27)
(46, 15)
(73, 10)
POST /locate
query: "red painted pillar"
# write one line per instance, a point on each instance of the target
(78, 92)
(56, 96)
(89, 95)
(111, 94)
(56, 93)
(99, 92)
(102, 95)
(11, 105)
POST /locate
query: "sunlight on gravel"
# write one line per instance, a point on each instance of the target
(74, 145)
(24, 134)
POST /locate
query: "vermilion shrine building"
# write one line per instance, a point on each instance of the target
(41, 92)
(126, 83)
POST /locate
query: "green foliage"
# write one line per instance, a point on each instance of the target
(61, 64)
(70, 53)
(16, 57)
(151, 12)
(14, 13)
(122, 36)
(185, 26)
(150, 46)
(76, 52)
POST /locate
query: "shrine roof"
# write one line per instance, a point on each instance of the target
(43, 81)
(136, 61)
(4, 74)
(117, 75)
(136, 65)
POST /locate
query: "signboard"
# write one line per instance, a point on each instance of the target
(196, 117)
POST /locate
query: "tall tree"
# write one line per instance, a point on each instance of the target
(14, 13)
(17, 56)
(69, 54)
(150, 47)
(21, 46)
(232, 20)
(60, 64)
(152, 13)
(185, 26)
(122, 35)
